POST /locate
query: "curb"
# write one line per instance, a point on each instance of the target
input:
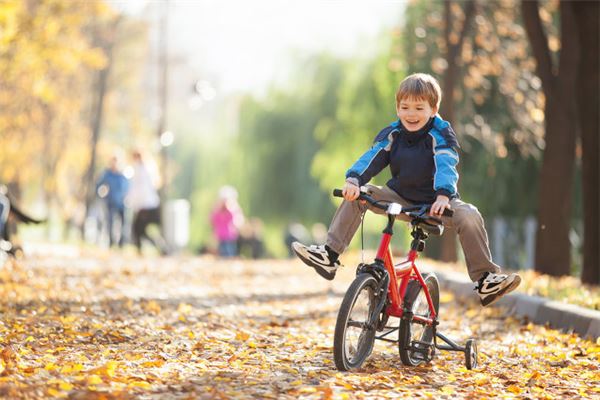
(566, 317)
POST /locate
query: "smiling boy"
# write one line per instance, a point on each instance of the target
(421, 151)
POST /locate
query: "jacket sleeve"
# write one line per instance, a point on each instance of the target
(446, 159)
(374, 160)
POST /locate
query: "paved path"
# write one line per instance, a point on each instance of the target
(109, 326)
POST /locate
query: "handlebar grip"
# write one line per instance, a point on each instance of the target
(338, 193)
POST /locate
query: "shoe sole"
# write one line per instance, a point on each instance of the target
(492, 299)
(321, 271)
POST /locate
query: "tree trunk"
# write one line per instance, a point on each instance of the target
(553, 247)
(105, 37)
(587, 14)
(453, 51)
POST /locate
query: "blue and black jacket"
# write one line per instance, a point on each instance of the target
(117, 185)
(423, 163)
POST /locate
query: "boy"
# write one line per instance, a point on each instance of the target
(420, 149)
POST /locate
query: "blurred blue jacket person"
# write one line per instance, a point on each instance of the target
(112, 187)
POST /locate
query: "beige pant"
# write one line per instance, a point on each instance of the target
(466, 220)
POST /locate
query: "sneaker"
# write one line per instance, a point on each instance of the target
(318, 258)
(493, 286)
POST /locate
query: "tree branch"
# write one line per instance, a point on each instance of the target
(539, 42)
(469, 13)
(569, 50)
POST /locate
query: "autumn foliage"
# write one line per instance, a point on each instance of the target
(92, 326)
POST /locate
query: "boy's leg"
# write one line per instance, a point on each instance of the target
(473, 238)
(324, 258)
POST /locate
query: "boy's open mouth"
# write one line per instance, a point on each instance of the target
(412, 123)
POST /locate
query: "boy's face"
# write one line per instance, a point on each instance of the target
(414, 113)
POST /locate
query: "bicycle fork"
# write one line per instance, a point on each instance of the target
(383, 279)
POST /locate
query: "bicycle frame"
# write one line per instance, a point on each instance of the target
(403, 273)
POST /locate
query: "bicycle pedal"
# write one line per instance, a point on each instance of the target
(424, 351)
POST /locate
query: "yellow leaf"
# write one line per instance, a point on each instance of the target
(481, 379)
(447, 390)
(296, 383)
(140, 384)
(94, 380)
(50, 366)
(514, 389)
(184, 308)
(152, 307)
(155, 363)
(111, 366)
(446, 297)
(242, 336)
(70, 368)
(66, 386)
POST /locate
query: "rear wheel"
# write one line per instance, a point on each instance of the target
(353, 340)
(415, 340)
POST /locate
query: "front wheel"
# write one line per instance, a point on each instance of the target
(415, 340)
(354, 337)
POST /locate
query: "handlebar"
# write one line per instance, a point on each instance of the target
(416, 211)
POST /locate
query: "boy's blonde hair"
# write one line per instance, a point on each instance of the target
(420, 86)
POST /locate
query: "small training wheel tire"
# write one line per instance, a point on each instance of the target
(471, 354)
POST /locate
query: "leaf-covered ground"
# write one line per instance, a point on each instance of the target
(107, 326)
(567, 289)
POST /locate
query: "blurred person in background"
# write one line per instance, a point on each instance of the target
(10, 214)
(227, 219)
(4, 210)
(250, 240)
(144, 200)
(112, 187)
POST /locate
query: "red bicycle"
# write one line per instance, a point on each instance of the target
(383, 289)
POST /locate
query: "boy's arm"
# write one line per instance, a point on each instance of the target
(372, 161)
(446, 159)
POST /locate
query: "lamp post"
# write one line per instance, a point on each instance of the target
(163, 92)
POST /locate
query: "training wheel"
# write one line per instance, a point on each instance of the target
(471, 354)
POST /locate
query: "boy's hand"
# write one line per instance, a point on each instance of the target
(441, 203)
(351, 191)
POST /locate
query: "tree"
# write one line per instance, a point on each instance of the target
(454, 37)
(556, 178)
(104, 38)
(587, 14)
(44, 58)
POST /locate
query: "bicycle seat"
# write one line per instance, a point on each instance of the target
(431, 229)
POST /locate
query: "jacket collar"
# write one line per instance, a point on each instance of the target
(420, 132)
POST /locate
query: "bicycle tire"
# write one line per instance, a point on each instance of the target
(409, 331)
(351, 352)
